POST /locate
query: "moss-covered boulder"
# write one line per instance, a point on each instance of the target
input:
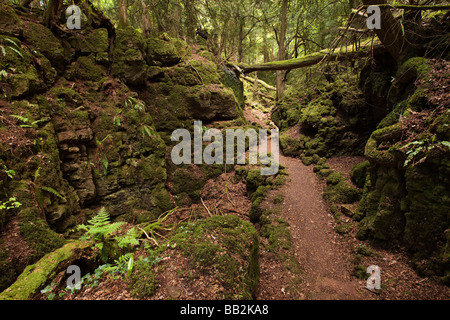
(130, 56)
(224, 248)
(24, 71)
(43, 40)
(84, 68)
(331, 120)
(166, 51)
(10, 23)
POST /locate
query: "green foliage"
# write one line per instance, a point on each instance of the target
(417, 151)
(27, 123)
(12, 45)
(99, 228)
(9, 204)
(53, 191)
(135, 104)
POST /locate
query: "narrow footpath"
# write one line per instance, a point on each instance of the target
(325, 269)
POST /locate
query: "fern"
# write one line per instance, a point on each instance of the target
(99, 228)
(52, 191)
(129, 239)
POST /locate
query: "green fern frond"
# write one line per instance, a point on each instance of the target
(100, 227)
(129, 239)
(53, 191)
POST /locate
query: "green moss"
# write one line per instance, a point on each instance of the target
(85, 68)
(183, 182)
(254, 180)
(143, 282)
(334, 178)
(417, 66)
(277, 232)
(90, 41)
(165, 51)
(10, 24)
(341, 192)
(359, 172)
(43, 40)
(231, 255)
(37, 233)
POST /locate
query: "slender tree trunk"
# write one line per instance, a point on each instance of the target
(241, 40)
(281, 47)
(265, 48)
(123, 16)
(52, 13)
(191, 19)
(146, 23)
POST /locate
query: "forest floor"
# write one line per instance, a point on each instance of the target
(325, 257)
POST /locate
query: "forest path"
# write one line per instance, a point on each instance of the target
(323, 258)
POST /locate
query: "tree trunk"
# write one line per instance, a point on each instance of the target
(391, 32)
(191, 19)
(241, 40)
(52, 13)
(123, 16)
(146, 22)
(281, 47)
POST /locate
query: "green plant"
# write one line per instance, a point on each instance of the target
(101, 231)
(53, 191)
(27, 122)
(135, 104)
(99, 227)
(9, 172)
(417, 150)
(13, 46)
(9, 204)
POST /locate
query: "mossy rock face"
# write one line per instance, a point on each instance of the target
(359, 172)
(212, 103)
(130, 57)
(404, 81)
(35, 276)
(225, 247)
(331, 120)
(190, 181)
(381, 205)
(90, 41)
(10, 23)
(379, 148)
(165, 51)
(84, 68)
(231, 80)
(428, 206)
(43, 40)
(24, 77)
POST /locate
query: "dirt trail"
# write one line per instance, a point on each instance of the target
(322, 257)
(325, 273)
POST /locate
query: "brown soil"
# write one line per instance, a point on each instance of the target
(325, 269)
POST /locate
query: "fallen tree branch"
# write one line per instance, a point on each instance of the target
(313, 59)
(264, 84)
